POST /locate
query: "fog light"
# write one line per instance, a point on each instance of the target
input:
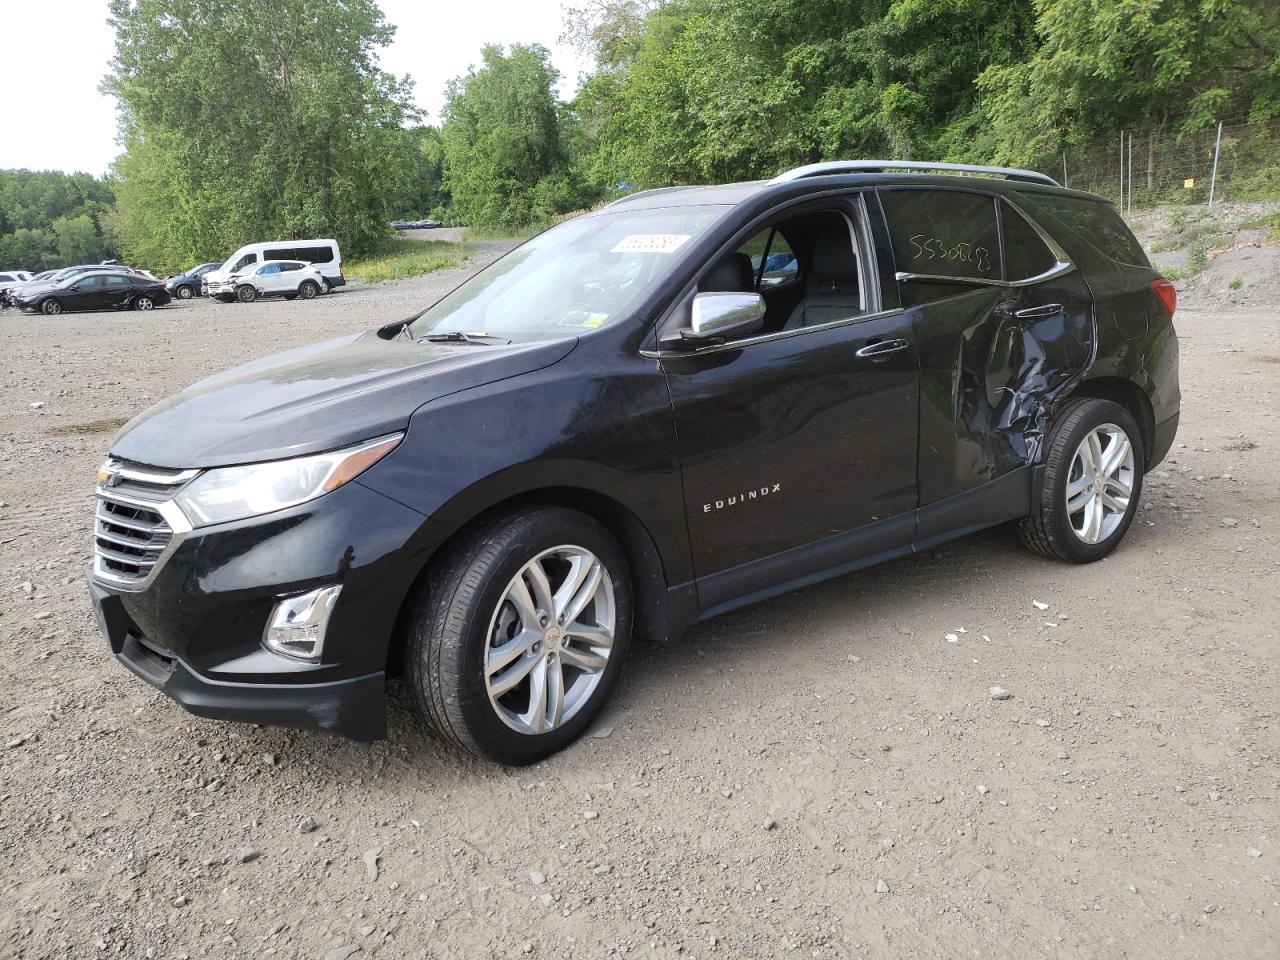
(297, 625)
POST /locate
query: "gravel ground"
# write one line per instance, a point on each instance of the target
(822, 775)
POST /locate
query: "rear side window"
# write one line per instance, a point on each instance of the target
(314, 254)
(1025, 254)
(280, 253)
(1096, 222)
(5, 278)
(943, 233)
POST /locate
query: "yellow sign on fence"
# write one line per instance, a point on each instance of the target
(1189, 184)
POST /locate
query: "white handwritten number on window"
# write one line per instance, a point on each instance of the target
(932, 248)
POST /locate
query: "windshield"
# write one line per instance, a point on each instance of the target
(239, 259)
(578, 276)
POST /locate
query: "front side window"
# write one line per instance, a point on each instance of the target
(578, 276)
(269, 270)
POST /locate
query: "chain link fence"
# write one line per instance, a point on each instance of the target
(1145, 170)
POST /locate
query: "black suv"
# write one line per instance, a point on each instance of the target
(693, 399)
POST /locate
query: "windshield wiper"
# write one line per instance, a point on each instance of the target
(460, 336)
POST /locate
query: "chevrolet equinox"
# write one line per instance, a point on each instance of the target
(692, 399)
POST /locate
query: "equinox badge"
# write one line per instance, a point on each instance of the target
(741, 498)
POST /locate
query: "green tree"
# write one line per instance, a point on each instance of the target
(504, 159)
(52, 219)
(244, 121)
(1102, 66)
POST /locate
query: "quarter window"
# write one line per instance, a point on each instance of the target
(1025, 254)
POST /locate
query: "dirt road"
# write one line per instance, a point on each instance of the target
(823, 775)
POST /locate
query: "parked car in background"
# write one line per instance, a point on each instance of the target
(424, 224)
(97, 290)
(273, 278)
(401, 225)
(324, 255)
(187, 285)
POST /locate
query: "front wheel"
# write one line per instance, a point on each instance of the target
(51, 308)
(1092, 483)
(520, 634)
(246, 293)
(184, 292)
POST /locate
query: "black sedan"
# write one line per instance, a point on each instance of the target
(96, 291)
(187, 285)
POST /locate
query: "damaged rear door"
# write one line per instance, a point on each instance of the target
(1003, 323)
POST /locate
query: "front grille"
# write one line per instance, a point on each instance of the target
(132, 528)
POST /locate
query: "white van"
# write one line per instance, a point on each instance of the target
(324, 255)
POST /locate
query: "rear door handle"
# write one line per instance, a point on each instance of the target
(1032, 313)
(881, 349)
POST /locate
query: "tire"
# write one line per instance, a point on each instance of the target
(143, 303)
(1094, 528)
(308, 289)
(464, 601)
(51, 307)
(184, 292)
(246, 293)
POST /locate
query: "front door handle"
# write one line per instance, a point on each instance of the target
(1033, 313)
(881, 349)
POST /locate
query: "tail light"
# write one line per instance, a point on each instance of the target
(1166, 294)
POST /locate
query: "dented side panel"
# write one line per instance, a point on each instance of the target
(988, 379)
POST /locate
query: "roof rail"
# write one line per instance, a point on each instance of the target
(917, 166)
(645, 193)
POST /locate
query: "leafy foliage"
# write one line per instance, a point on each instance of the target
(244, 121)
(50, 219)
(505, 162)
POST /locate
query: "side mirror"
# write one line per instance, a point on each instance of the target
(716, 317)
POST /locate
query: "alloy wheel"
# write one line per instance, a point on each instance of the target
(549, 640)
(143, 303)
(1100, 483)
(185, 293)
(52, 307)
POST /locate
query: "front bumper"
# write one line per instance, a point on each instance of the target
(354, 708)
(194, 628)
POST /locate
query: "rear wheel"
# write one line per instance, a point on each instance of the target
(51, 307)
(520, 634)
(246, 293)
(308, 289)
(143, 303)
(184, 292)
(1092, 483)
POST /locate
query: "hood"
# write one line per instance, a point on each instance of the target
(318, 397)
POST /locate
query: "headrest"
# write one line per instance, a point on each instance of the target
(733, 274)
(833, 262)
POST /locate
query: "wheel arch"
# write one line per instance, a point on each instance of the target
(1130, 396)
(648, 578)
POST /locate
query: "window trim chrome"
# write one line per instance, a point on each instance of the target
(769, 337)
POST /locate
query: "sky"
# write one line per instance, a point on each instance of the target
(55, 118)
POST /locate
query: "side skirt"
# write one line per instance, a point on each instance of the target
(1006, 498)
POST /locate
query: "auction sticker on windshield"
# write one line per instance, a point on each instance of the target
(651, 243)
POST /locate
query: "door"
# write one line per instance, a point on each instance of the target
(118, 291)
(798, 443)
(87, 293)
(1003, 322)
(269, 279)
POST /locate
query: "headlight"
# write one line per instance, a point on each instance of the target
(233, 493)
